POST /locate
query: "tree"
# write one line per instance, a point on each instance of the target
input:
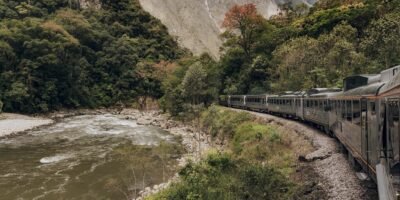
(382, 42)
(194, 84)
(246, 20)
(304, 62)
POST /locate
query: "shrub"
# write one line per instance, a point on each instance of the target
(220, 176)
(219, 122)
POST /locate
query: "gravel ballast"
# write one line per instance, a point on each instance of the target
(337, 177)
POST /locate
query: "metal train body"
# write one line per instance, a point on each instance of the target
(364, 117)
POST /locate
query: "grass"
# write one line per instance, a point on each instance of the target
(257, 163)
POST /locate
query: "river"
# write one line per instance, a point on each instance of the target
(86, 157)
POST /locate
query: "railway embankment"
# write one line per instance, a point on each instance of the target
(238, 152)
(247, 159)
(335, 174)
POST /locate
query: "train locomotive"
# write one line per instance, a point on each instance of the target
(363, 116)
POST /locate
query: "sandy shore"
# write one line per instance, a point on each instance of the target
(13, 123)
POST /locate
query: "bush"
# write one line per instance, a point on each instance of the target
(1, 106)
(222, 123)
(220, 176)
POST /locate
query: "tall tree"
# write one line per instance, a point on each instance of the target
(194, 85)
(246, 20)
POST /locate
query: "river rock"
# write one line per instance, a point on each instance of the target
(143, 121)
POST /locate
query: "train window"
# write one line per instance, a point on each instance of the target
(336, 107)
(356, 112)
(394, 112)
(342, 109)
(349, 111)
(372, 107)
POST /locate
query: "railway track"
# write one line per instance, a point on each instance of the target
(364, 116)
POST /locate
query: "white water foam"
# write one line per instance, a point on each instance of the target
(55, 159)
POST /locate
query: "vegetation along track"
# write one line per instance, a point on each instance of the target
(337, 177)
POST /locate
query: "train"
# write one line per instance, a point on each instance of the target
(363, 116)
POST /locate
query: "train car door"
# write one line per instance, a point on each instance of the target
(364, 130)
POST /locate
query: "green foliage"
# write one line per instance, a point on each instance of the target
(382, 42)
(222, 123)
(305, 62)
(323, 21)
(317, 47)
(251, 132)
(54, 55)
(220, 176)
(194, 82)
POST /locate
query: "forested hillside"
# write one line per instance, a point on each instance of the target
(55, 54)
(301, 48)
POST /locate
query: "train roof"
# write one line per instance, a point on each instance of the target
(356, 81)
(393, 79)
(325, 94)
(389, 74)
(237, 95)
(257, 95)
(325, 91)
(367, 90)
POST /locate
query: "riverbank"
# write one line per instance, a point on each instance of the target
(13, 123)
(195, 142)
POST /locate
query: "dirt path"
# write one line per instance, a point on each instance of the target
(337, 178)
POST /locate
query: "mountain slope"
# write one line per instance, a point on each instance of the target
(197, 23)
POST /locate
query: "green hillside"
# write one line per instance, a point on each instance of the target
(299, 49)
(53, 54)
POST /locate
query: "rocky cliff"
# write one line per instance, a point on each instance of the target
(197, 23)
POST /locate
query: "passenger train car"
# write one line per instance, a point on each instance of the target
(364, 116)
